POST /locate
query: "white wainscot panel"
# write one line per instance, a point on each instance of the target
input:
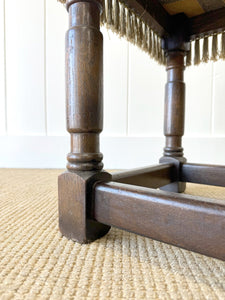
(198, 100)
(25, 66)
(131, 152)
(146, 94)
(2, 71)
(56, 27)
(115, 84)
(204, 150)
(34, 151)
(119, 152)
(219, 98)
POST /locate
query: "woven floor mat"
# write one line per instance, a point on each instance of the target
(36, 262)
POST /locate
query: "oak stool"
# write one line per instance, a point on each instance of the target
(90, 199)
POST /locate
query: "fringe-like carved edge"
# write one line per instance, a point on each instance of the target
(120, 19)
(123, 21)
(117, 17)
(207, 48)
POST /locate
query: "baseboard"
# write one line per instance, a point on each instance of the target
(119, 152)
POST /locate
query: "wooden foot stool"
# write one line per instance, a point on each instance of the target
(90, 199)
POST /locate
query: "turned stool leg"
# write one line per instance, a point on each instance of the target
(84, 81)
(174, 116)
(174, 104)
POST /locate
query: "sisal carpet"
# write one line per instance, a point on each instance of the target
(37, 263)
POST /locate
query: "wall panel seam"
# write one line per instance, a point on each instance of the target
(212, 100)
(127, 91)
(45, 75)
(5, 70)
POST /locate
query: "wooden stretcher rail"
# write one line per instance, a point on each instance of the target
(153, 176)
(161, 21)
(207, 23)
(203, 174)
(153, 13)
(193, 223)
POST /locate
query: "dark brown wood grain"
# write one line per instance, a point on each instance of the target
(179, 38)
(207, 23)
(70, 2)
(88, 206)
(153, 176)
(164, 24)
(204, 174)
(193, 223)
(84, 86)
(174, 104)
(75, 206)
(174, 113)
(84, 80)
(153, 13)
(176, 185)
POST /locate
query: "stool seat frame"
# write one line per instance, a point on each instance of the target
(90, 199)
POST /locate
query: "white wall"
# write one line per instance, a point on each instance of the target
(32, 110)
